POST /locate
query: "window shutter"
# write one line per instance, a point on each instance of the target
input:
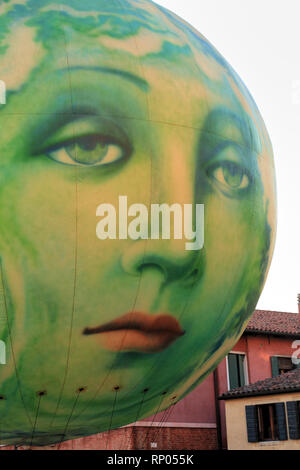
(293, 419)
(274, 366)
(241, 359)
(281, 421)
(233, 371)
(252, 423)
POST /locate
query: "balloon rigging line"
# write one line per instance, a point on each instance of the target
(140, 277)
(165, 415)
(154, 416)
(132, 310)
(113, 363)
(154, 121)
(68, 421)
(146, 241)
(111, 418)
(165, 419)
(36, 417)
(184, 308)
(160, 358)
(75, 254)
(136, 418)
(157, 425)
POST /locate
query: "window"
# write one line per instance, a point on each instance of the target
(266, 422)
(280, 365)
(236, 370)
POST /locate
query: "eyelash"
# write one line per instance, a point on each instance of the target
(225, 186)
(112, 139)
(78, 144)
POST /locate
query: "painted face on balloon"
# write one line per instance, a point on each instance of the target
(154, 114)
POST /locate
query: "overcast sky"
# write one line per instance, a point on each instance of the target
(261, 40)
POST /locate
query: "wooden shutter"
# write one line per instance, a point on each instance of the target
(252, 423)
(281, 421)
(274, 366)
(241, 359)
(293, 419)
(233, 371)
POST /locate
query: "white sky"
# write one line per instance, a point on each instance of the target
(261, 40)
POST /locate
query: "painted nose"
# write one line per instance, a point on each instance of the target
(172, 185)
(168, 256)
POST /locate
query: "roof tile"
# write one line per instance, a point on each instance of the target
(288, 382)
(272, 322)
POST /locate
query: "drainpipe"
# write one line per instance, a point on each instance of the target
(217, 408)
(248, 363)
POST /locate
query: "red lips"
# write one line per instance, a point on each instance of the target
(137, 331)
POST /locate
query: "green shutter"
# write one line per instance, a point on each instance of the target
(241, 359)
(274, 366)
(281, 421)
(233, 371)
(293, 419)
(252, 423)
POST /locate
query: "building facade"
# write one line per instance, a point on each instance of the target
(265, 415)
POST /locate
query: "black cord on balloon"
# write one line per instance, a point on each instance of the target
(136, 418)
(36, 417)
(146, 241)
(165, 418)
(75, 259)
(112, 414)
(154, 416)
(67, 424)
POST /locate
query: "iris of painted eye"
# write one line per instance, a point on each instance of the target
(232, 175)
(88, 150)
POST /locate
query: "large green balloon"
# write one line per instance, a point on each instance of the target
(108, 102)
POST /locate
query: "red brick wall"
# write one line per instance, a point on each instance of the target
(175, 438)
(140, 438)
(114, 440)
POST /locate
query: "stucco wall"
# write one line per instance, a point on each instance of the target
(237, 426)
(198, 407)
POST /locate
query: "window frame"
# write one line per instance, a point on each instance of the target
(277, 413)
(283, 356)
(273, 423)
(245, 363)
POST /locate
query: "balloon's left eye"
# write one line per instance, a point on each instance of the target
(91, 150)
(232, 175)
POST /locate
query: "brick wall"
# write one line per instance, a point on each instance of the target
(175, 438)
(140, 438)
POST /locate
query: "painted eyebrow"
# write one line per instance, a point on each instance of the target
(242, 124)
(138, 81)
